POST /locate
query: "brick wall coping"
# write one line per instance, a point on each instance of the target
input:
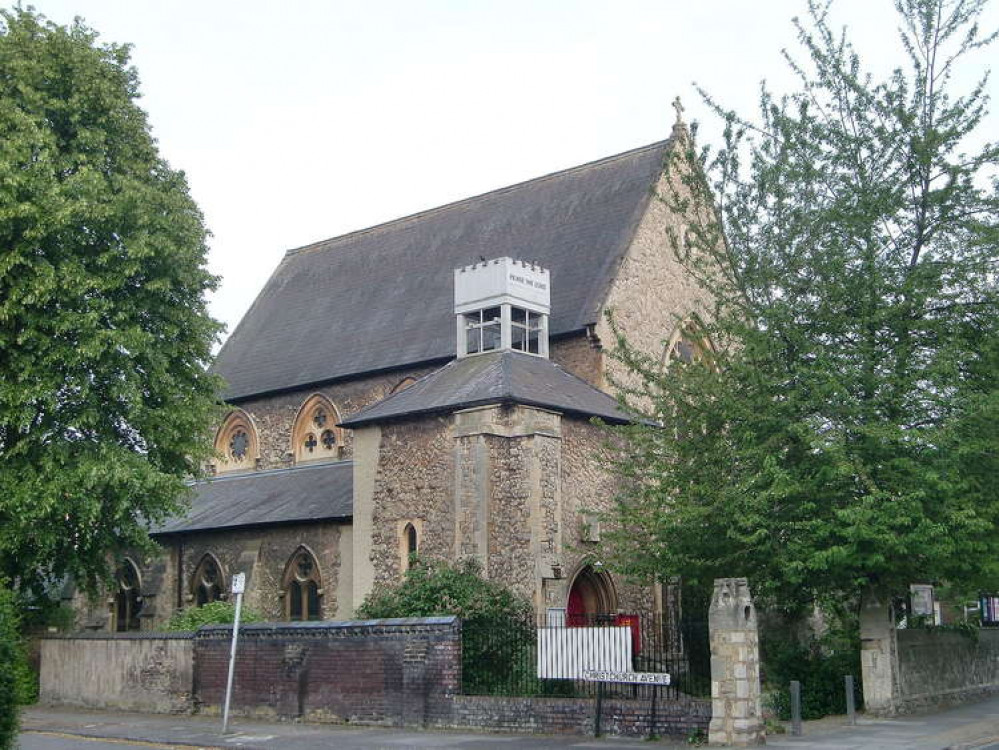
(334, 628)
(142, 635)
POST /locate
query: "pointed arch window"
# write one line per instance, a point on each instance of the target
(128, 600)
(302, 587)
(207, 583)
(315, 436)
(688, 345)
(236, 442)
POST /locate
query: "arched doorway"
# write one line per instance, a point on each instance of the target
(591, 598)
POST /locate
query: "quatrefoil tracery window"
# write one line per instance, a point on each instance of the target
(315, 435)
(236, 442)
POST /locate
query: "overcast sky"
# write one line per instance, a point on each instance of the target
(303, 120)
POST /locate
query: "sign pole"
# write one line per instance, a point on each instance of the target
(238, 585)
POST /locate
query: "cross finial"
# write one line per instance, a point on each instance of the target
(679, 110)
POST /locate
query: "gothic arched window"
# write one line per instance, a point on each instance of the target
(236, 442)
(128, 599)
(409, 542)
(688, 345)
(207, 584)
(302, 587)
(315, 435)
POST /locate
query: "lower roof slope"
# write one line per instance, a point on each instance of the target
(313, 492)
(497, 377)
(383, 297)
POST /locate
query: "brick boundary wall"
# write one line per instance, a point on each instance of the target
(398, 672)
(624, 718)
(395, 672)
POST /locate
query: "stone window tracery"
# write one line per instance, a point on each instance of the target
(128, 600)
(236, 443)
(688, 345)
(302, 588)
(315, 435)
(207, 583)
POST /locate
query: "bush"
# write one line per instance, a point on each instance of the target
(11, 653)
(497, 624)
(819, 664)
(214, 613)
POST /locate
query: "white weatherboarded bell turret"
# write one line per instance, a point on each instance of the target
(502, 304)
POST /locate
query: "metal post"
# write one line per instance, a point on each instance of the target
(600, 705)
(795, 708)
(238, 582)
(851, 706)
(652, 717)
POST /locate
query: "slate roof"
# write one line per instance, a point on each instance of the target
(383, 297)
(313, 492)
(498, 377)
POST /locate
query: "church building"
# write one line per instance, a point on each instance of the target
(428, 386)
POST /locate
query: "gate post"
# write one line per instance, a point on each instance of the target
(879, 654)
(736, 716)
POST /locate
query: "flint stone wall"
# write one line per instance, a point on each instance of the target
(917, 670)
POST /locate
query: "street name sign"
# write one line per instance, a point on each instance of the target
(635, 678)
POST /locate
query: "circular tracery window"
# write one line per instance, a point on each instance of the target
(239, 444)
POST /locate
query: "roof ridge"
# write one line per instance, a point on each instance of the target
(319, 245)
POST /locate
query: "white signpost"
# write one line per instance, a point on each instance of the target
(238, 586)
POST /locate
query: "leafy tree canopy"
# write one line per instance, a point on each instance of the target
(104, 335)
(841, 430)
(432, 587)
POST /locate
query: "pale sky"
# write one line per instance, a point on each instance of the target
(303, 120)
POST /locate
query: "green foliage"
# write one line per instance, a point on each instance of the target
(105, 338)
(14, 671)
(497, 625)
(213, 613)
(819, 665)
(841, 432)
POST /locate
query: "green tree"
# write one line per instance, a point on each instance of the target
(497, 625)
(104, 335)
(841, 430)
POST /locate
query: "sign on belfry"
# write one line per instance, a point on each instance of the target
(239, 583)
(636, 678)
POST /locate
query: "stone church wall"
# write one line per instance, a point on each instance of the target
(274, 416)
(263, 555)
(414, 484)
(652, 294)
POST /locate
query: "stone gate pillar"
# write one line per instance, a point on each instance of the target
(879, 655)
(736, 716)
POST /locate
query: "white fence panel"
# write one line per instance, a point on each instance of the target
(565, 653)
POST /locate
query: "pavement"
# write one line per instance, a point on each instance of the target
(974, 726)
